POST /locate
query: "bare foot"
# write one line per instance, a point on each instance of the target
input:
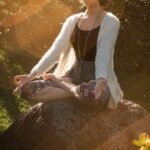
(76, 91)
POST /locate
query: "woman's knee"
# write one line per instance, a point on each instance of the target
(30, 89)
(26, 91)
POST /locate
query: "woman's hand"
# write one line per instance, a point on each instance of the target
(21, 80)
(47, 76)
(100, 87)
(52, 77)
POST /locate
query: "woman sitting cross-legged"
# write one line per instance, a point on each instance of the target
(84, 51)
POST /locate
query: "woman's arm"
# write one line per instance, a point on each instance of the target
(106, 49)
(53, 53)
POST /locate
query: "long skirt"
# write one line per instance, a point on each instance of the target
(78, 74)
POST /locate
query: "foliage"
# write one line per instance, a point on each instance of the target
(10, 105)
(132, 49)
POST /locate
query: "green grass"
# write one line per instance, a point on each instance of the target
(10, 108)
(5, 120)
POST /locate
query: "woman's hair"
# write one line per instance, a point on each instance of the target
(103, 3)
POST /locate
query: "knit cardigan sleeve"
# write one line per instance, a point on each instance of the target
(53, 53)
(106, 49)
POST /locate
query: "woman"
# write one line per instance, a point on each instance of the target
(79, 61)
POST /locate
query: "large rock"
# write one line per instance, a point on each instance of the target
(74, 125)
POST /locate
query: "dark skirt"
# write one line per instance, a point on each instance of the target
(78, 74)
(81, 72)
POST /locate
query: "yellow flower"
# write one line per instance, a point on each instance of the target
(143, 142)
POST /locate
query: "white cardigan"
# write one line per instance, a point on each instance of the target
(107, 37)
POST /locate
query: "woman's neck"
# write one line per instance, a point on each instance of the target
(92, 11)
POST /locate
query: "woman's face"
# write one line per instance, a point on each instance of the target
(91, 2)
